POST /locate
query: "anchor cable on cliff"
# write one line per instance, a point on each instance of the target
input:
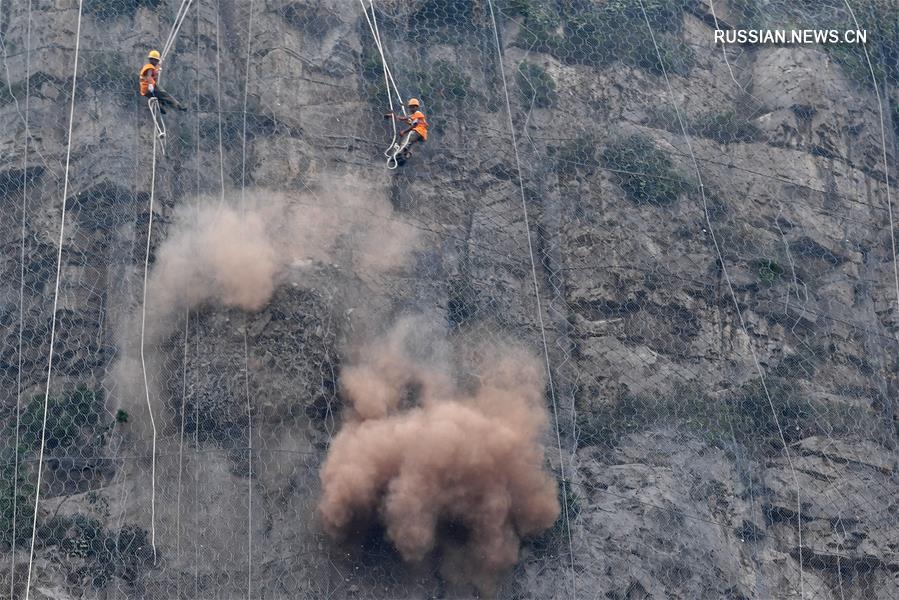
(158, 140)
(369, 11)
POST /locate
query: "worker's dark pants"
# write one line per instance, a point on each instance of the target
(412, 137)
(165, 98)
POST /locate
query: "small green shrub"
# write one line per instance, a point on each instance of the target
(724, 126)
(577, 156)
(441, 86)
(521, 8)
(644, 172)
(591, 34)
(744, 416)
(16, 502)
(77, 424)
(106, 554)
(768, 270)
(455, 22)
(540, 29)
(535, 85)
(374, 89)
(444, 87)
(10, 93)
(668, 55)
(555, 539)
(881, 21)
(72, 420)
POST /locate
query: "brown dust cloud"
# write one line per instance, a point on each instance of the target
(447, 472)
(235, 252)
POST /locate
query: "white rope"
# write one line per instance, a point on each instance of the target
(155, 112)
(733, 296)
(197, 490)
(158, 141)
(376, 34)
(218, 99)
(527, 229)
(388, 80)
(158, 122)
(196, 461)
(246, 374)
(726, 61)
(62, 225)
(15, 477)
(179, 19)
(243, 177)
(393, 149)
(886, 167)
(143, 363)
(181, 445)
(246, 91)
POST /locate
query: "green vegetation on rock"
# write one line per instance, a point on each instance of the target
(595, 34)
(644, 172)
(535, 85)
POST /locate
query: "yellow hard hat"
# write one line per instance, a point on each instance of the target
(413, 102)
(153, 54)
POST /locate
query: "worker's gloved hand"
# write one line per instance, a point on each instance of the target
(152, 88)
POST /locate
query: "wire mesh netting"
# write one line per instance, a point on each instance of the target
(254, 360)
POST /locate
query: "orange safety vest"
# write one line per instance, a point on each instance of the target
(420, 124)
(147, 76)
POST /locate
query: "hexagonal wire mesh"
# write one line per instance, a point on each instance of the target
(696, 240)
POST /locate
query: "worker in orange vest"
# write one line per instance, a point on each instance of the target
(417, 132)
(149, 86)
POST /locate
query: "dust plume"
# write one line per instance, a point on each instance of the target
(236, 252)
(441, 468)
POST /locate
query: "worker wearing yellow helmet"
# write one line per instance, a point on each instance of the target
(416, 132)
(149, 86)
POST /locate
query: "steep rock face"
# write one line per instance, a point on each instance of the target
(780, 263)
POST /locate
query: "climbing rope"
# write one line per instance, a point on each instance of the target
(158, 122)
(886, 164)
(152, 102)
(62, 226)
(246, 353)
(15, 478)
(179, 19)
(733, 296)
(158, 141)
(394, 149)
(527, 228)
(143, 364)
(196, 456)
(218, 103)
